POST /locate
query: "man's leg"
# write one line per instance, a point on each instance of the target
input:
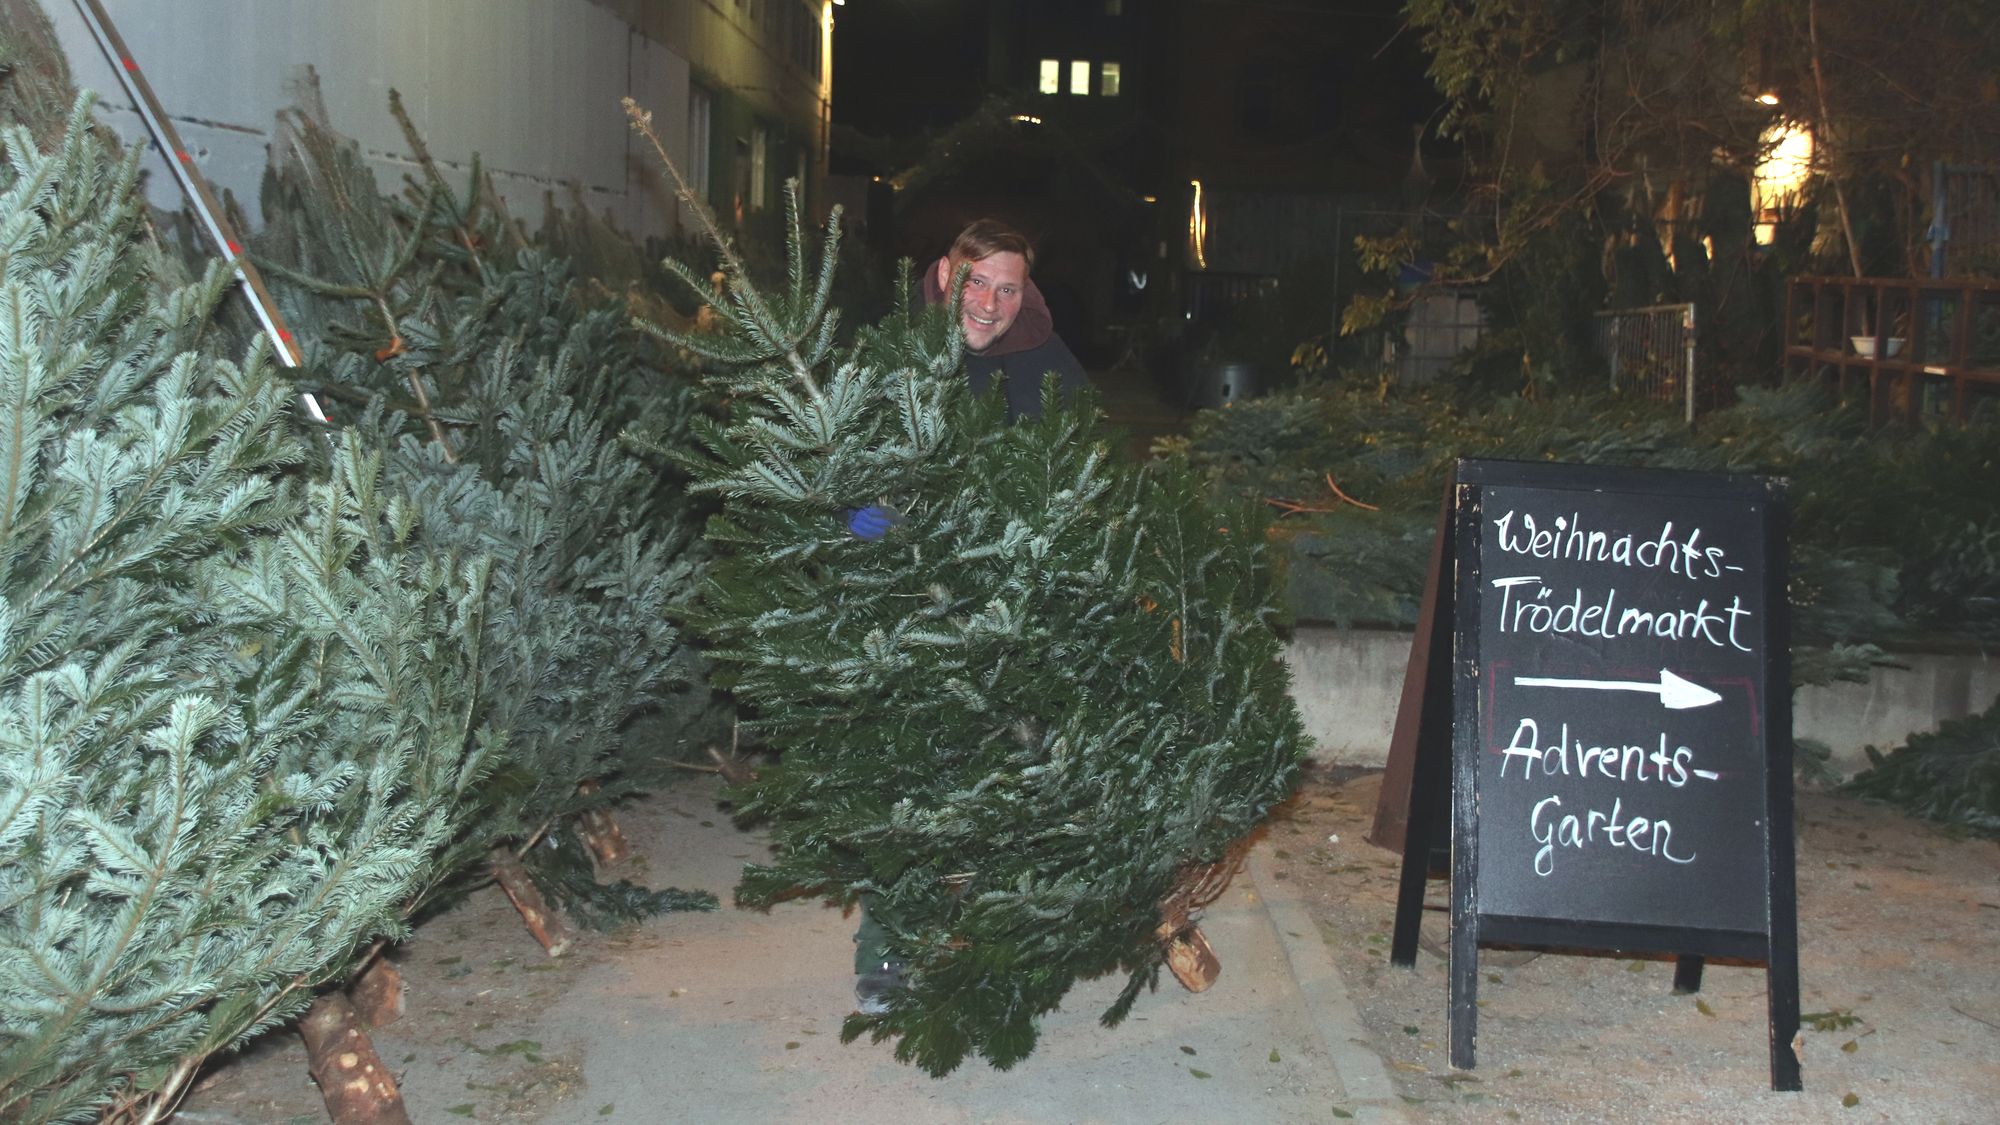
(871, 941)
(877, 972)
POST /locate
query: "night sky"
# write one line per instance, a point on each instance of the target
(903, 66)
(906, 66)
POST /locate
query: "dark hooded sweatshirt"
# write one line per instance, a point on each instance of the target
(1027, 351)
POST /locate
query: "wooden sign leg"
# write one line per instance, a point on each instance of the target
(1782, 982)
(1687, 973)
(1464, 1011)
(1419, 831)
(1420, 752)
(1781, 975)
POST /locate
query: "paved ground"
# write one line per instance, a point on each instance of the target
(1137, 403)
(735, 1017)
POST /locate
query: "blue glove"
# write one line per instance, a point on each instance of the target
(873, 522)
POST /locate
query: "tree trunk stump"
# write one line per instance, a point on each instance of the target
(357, 1088)
(1192, 960)
(545, 922)
(377, 994)
(600, 831)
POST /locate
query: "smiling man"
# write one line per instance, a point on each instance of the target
(1008, 332)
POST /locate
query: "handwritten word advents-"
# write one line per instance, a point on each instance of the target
(1552, 827)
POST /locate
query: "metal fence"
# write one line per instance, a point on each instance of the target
(1650, 352)
(1965, 220)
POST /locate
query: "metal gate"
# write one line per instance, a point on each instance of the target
(1650, 352)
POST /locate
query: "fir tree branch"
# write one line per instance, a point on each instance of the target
(439, 189)
(752, 301)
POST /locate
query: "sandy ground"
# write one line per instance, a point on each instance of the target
(1897, 949)
(1898, 960)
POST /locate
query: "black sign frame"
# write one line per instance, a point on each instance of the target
(1444, 767)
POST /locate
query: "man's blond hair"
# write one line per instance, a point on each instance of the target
(987, 237)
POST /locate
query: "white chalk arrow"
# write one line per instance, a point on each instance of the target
(1675, 693)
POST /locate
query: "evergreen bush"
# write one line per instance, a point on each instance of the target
(1889, 546)
(1950, 775)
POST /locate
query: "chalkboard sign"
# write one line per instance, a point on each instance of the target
(1619, 751)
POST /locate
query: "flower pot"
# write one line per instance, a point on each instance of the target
(1864, 346)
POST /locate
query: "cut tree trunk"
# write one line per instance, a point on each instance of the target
(600, 831)
(377, 994)
(548, 924)
(1191, 959)
(358, 1089)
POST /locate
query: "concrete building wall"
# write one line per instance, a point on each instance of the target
(530, 86)
(1347, 683)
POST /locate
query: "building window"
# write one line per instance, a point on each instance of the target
(760, 154)
(1107, 79)
(1079, 77)
(700, 112)
(1781, 175)
(1114, 7)
(1051, 76)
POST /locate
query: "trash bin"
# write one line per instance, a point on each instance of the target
(1222, 382)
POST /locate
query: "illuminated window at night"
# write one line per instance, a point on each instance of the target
(1079, 77)
(1107, 79)
(1051, 76)
(1114, 7)
(1781, 175)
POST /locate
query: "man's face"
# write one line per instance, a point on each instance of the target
(993, 294)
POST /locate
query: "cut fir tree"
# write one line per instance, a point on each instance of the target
(1025, 695)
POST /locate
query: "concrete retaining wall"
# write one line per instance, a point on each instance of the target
(1347, 683)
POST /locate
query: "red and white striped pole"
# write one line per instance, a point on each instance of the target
(195, 188)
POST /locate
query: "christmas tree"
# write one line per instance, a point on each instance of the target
(1025, 694)
(497, 385)
(226, 757)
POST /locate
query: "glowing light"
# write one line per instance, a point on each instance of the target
(1768, 97)
(1025, 119)
(1198, 228)
(1781, 174)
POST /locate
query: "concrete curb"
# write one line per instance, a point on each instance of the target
(1323, 994)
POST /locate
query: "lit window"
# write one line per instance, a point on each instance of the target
(1114, 7)
(1107, 79)
(1781, 175)
(1051, 76)
(1079, 77)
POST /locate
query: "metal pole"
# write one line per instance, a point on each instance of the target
(1687, 325)
(195, 188)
